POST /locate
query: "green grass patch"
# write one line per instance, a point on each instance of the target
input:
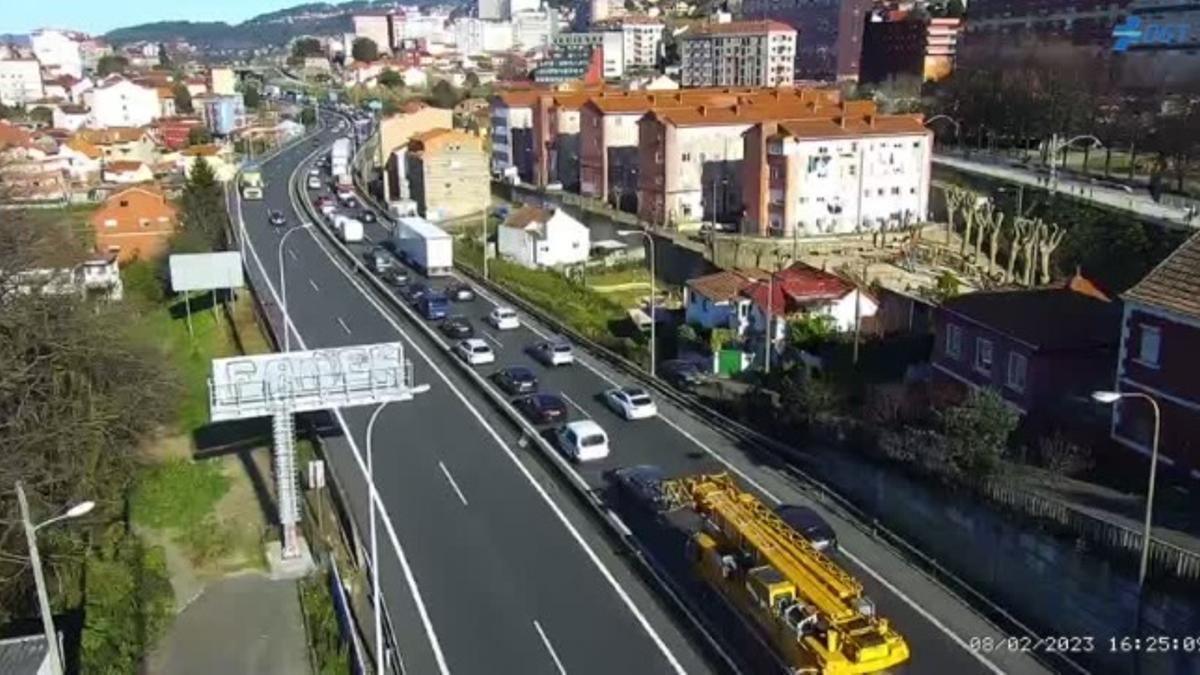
(615, 276)
(75, 218)
(324, 634)
(177, 495)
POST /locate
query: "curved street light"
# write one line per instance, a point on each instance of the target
(1057, 146)
(951, 120)
(653, 298)
(287, 323)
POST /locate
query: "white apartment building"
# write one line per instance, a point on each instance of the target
(479, 36)
(58, 51)
(117, 102)
(375, 27)
(511, 121)
(20, 81)
(739, 54)
(428, 27)
(641, 40)
(222, 81)
(534, 29)
(492, 10)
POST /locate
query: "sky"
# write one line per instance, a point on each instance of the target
(100, 16)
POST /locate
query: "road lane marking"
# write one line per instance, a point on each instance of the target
(453, 484)
(292, 254)
(314, 285)
(492, 338)
(409, 578)
(550, 648)
(344, 326)
(578, 407)
(616, 586)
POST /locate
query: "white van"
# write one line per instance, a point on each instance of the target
(583, 441)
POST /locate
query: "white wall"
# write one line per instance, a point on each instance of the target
(516, 245)
(567, 241)
(57, 52)
(720, 149)
(122, 104)
(614, 54)
(20, 81)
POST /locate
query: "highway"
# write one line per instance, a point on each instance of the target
(483, 525)
(482, 568)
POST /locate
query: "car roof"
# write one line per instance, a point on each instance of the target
(794, 513)
(519, 370)
(642, 471)
(475, 342)
(582, 427)
(633, 391)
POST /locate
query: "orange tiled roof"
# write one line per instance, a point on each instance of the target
(112, 135)
(122, 165)
(204, 150)
(761, 111)
(864, 125)
(82, 145)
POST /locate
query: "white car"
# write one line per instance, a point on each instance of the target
(553, 352)
(583, 441)
(328, 209)
(504, 318)
(475, 352)
(632, 403)
(314, 182)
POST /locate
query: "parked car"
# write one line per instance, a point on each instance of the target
(367, 216)
(457, 327)
(553, 352)
(632, 403)
(542, 408)
(809, 524)
(504, 318)
(276, 218)
(516, 380)
(475, 352)
(396, 277)
(641, 485)
(583, 441)
(682, 374)
(461, 292)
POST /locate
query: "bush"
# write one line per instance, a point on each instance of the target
(324, 632)
(177, 495)
(1062, 457)
(207, 541)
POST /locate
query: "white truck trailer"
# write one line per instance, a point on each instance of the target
(424, 245)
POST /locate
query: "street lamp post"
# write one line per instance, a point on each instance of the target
(769, 334)
(951, 120)
(379, 665)
(1056, 146)
(653, 298)
(483, 224)
(56, 662)
(287, 327)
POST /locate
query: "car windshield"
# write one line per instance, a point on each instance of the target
(520, 374)
(640, 399)
(481, 349)
(505, 313)
(562, 349)
(592, 439)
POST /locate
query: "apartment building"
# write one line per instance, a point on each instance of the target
(556, 138)
(838, 172)
(512, 134)
(395, 132)
(641, 39)
(830, 33)
(137, 222)
(447, 172)
(376, 28)
(58, 51)
(117, 102)
(739, 54)
(899, 46)
(20, 81)
(478, 36)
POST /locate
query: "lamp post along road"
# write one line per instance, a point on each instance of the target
(35, 559)
(653, 298)
(379, 665)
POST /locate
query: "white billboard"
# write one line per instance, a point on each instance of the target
(321, 379)
(206, 271)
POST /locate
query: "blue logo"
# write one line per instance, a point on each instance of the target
(1128, 33)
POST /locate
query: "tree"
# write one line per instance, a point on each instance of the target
(198, 136)
(251, 97)
(391, 79)
(164, 59)
(203, 209)
(444, 95)
(471, 81)
(305, 47)
(955, 9)
(977, 432)
(183, 99)
(810, 330)
(365, 50)
(110, 64)
(803, 399)
(947, 286)
(685, 335)
(308, 117)
(42, 115)
(719, 338)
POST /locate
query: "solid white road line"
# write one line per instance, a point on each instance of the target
(550, 648)
(453, 484)
(575, 405)
(409, 579)
(767, 493)
(562, 518)
(344, 326)
(492, 338)
(314, 285)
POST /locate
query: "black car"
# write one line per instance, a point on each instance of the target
(516, 380)
(642, 485)
(277, 219)
(682, 374)
(367, 216)
(414, 293)
(458, 327)
(396, 277)
(460, 292)
(542, 408)
(809, 524)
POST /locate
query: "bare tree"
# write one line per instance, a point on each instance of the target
(984, 209)
(954, 200)
(969, 212)
(1016, 245)
(1052, 236)
(997, 225)
(1030, 251)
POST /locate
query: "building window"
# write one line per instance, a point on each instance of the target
(687, 157)
(111, 222)
(953, 341)
(1148, 350)
(983, 356)
(1017, 366)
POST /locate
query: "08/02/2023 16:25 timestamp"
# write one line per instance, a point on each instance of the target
(1086, 644)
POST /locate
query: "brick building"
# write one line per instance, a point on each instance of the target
(135, 223)
(447, 174)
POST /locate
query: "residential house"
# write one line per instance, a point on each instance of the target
(447, 174)
(117, 102)
(218, 157)
(198, 86)
(20, 81)
(98, 277)
(30, 169)
(1044, 349)
(395, 132)
(126, 171)
(70, 117)
(173, 132)
(719, 300)
(136, 222)
(536, 237)
(82, 159)
(68, 88)
(221, 81)
(415, 77)
(1159, 333)
(122, 143)
(802, 290)
(166, 101)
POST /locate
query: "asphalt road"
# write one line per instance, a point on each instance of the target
(507, 524)
(506, 581)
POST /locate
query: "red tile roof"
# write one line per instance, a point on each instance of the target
(1174, 285)
(798, 286)
(122, 165)
(726, 284)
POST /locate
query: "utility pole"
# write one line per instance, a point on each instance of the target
(858, 312)
(483, 224)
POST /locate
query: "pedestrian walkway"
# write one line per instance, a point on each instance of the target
(240, 625)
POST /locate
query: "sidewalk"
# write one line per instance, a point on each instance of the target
(240, 625)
